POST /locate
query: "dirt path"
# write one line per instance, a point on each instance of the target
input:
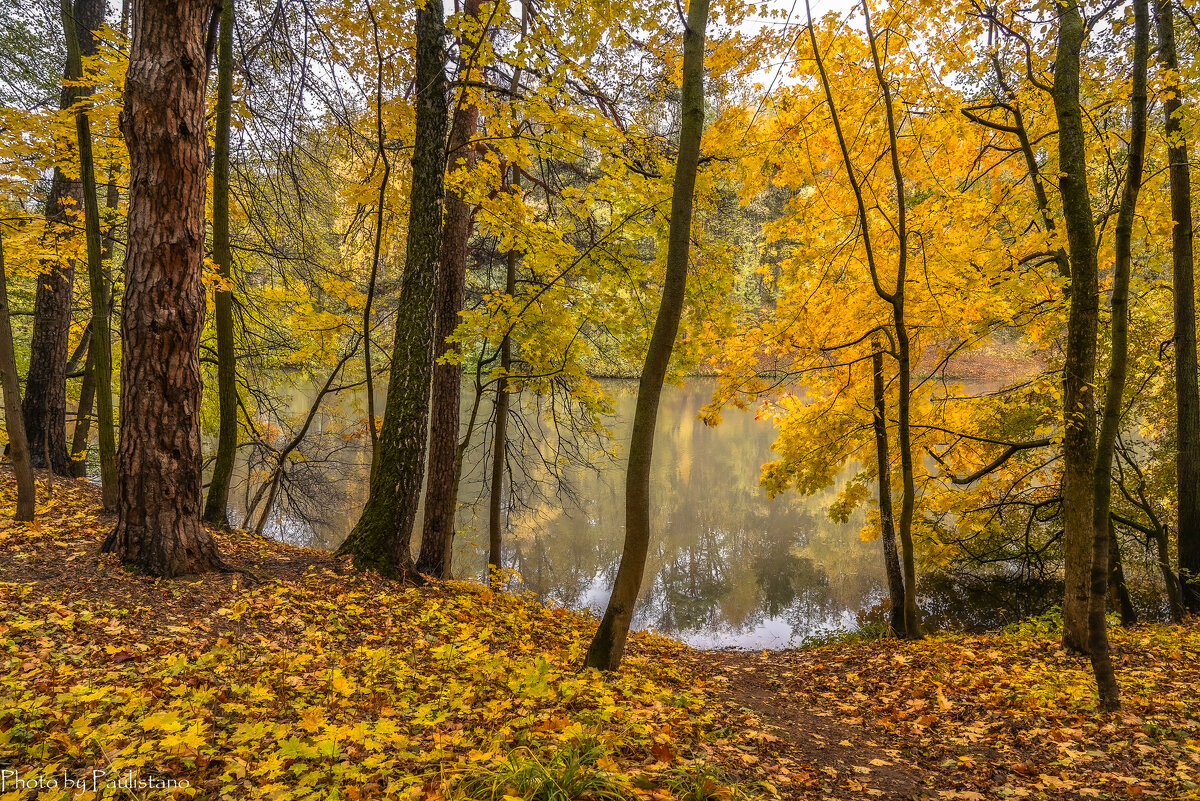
(806, 749)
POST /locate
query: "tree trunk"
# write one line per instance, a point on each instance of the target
(891, 561)
(381, 539)
(87, 386)
(912, 615)
(215, 507)
(500, 432)
(441, 500)
(1114, 392)
(1118, 590)
(159, 460)
(1171, 583)
(1079, 368)
(97, 279)
(608, 645)
(380, 214)
(1187, 390)
(45, 403)
(13, 419)
(83, 417)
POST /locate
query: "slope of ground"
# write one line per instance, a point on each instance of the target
(296, 677)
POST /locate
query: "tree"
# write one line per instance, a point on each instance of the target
(1079, 369)
(1104, 551)
(883, 465)
(441, 497)
(381, 539)
(13, 418)
(608, 644)
(895, 298)
(218, 488)
(100, 352)
(45, 402)
(1187, 388)
(159, 460)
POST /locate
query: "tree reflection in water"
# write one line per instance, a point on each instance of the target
(727, 567)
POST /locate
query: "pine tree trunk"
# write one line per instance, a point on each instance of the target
(1187, 389)
(380, 540)
(1079, 368)
(608, 645)
(159, 460)
(441, 499)
(891, 560)
(13, 420)
(216, 505)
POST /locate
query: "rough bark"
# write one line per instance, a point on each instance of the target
(608, 645)
(159, 460)
(216, 505)
(441, 499)
(1187, 389)
(380, 540)
(45, 402)
(1079, 368)
(13, 419)
(891, 560)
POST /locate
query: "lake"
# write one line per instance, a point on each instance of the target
(728, 567)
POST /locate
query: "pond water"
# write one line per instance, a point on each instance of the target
(728, 567)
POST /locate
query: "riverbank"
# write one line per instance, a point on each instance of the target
(300, 678)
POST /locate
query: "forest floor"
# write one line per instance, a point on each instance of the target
(297, 677)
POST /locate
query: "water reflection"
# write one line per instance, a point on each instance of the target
(727, 566)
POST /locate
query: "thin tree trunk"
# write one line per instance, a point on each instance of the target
(96, 276)
(13, 418)
(87, 386)
(1171, 583)
(216, 505)
(500, 431)
(1187, 389)
(441, 500)
(1110, 420)
(158, 510)
(380, 213)
(1079, 368)
(381, 539)
(83, 417)
(270, 487)
(891, 561)
(1118, 590)
(912, 615)
(608, 645)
